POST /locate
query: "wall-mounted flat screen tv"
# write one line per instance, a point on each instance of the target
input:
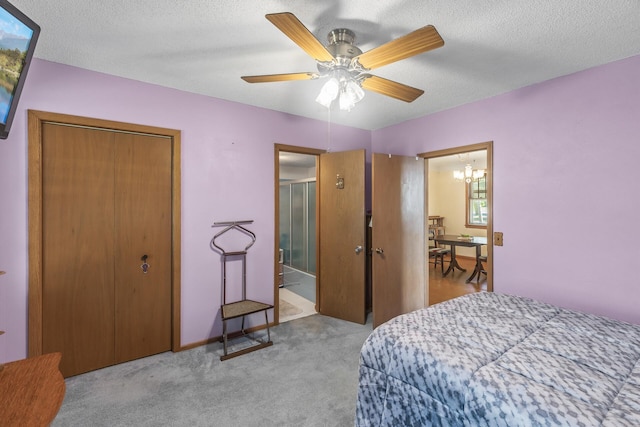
(18, 37)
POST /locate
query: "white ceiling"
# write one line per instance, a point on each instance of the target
(204, 46)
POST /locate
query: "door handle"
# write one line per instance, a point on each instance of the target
(358, 249)
(379, 250)
(144, 266)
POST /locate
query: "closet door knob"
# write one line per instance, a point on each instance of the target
(144, 266)
(379, 250)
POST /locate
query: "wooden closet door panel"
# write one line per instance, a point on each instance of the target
(78, 227)
(143, 227)
(398, 210)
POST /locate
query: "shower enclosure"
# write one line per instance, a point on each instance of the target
(298, 224)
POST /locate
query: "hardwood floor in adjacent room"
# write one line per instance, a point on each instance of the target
(453, 285)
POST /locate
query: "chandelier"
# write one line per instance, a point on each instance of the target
(468, 174)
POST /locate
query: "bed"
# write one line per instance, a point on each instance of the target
(489, 359)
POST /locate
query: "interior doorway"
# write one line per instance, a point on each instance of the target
(460, 206)
(296, 232)
(340, 239)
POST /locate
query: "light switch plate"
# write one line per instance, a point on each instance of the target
(497, 238)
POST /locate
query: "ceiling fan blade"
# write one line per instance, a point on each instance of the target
(390, 88)
(268, 78)
(296, 31)
(419, 41)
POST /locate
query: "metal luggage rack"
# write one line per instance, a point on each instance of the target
(244, 306)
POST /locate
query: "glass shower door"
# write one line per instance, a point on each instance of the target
(298, 225)
(311, 229)
(285, 221)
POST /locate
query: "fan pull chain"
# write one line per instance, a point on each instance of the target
(329, 129)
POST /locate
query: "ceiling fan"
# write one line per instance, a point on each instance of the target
(346, 66)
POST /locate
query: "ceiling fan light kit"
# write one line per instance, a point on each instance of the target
(345, 75)
(344, 85)
(344, 64)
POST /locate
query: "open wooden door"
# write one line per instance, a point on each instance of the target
(342, 255)
(398, 236)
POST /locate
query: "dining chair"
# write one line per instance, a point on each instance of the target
(438, 256)
(481, 259)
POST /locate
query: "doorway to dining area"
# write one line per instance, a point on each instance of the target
(460, 221)
(453, 285)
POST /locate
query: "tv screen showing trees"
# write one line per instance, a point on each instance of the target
(18, 36)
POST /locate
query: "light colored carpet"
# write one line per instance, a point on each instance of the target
(307, 378)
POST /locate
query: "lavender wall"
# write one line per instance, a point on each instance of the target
(227, 173)
(565, 193)
(566, 188)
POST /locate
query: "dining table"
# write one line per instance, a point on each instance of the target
(454, 240)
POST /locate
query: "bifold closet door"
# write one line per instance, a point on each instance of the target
(78, 247)
(143, 228)
(106, 205)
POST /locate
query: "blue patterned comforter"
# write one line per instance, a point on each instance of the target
(488, 359)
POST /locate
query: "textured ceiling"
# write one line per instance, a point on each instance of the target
(204, 46)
